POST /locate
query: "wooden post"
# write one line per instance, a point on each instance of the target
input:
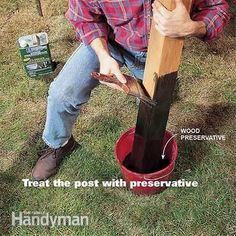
(163, 60)
(39, 7)
(164, 53)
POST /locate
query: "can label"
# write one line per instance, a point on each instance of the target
(35, 54)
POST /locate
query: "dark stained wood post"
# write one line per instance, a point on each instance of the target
(163, 60)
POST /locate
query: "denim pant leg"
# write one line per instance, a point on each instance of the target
(135, 62)
(69, 91)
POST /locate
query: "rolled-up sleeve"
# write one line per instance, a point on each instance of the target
(88, 20)
(215, 15)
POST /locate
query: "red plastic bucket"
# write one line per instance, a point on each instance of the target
(138, 182)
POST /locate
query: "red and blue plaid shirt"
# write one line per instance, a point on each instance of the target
(129, 21)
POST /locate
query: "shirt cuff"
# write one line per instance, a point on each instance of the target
(214, 25)
(210, 34)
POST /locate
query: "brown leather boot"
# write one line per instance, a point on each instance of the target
(48, 163)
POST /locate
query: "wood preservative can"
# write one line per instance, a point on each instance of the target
(35, 54)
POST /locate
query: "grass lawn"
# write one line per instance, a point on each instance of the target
(205, 98)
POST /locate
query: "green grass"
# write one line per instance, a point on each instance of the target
(205, 98)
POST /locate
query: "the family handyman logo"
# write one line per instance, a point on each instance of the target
(45, 219)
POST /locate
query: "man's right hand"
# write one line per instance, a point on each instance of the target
(108, 65)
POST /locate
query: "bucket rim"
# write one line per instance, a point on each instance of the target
(166, 171)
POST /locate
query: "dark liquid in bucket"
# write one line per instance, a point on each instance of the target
(130, 165)
(145, 156)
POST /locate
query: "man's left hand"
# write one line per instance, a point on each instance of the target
(174, 24)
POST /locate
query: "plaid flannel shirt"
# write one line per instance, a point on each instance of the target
(129, 21)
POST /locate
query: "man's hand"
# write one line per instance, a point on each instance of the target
(176, 23)
(108, 65)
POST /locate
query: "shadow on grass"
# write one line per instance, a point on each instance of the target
(210, 121)
(9, 196)
(57, 67)
(11, 179)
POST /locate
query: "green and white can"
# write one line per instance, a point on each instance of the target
(35, 54)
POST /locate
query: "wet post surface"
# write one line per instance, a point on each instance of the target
(150, 129)
(162, 65)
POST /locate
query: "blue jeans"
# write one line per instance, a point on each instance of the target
(73, 87)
